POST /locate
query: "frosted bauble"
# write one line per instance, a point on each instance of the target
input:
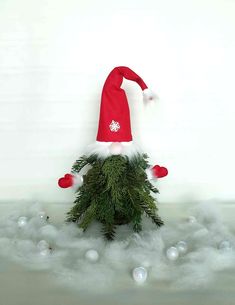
(92, 255)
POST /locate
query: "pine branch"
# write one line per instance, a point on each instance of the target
(137, 227)
(89, 216)
(79, 164)
(151, 213)
(109, 231)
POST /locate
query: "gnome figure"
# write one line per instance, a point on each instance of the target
(112, 180)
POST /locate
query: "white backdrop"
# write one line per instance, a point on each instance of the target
(54, 58)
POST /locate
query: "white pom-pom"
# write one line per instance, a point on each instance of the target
(149, 96)
(149, 173)
(77, 181)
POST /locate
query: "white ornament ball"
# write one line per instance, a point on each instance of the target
(225, 245)
(115, 148)
(182, 247)
(42, 245)
(140, 275)
(92, 255)
(22, 221)
(172, 253)
(192, 219)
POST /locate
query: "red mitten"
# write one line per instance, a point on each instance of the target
(66, 181)
(159, 171)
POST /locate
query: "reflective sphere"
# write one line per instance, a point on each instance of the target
(172, 253)
(140, 275)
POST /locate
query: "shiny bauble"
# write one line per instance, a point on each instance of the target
(139, 275)
(172, 253)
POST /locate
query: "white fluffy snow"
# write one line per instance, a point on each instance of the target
(209, 250)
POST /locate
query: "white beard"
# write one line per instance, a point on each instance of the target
(107, 149)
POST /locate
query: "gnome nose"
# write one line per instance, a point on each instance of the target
(116, 148)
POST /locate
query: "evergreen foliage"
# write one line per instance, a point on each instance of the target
(115, 191)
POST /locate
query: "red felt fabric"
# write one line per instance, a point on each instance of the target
(66, 181)
(159, 171)
(114, 106)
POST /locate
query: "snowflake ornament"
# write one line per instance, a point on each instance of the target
(114, 126)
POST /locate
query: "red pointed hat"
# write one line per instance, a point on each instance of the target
(114, 122)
